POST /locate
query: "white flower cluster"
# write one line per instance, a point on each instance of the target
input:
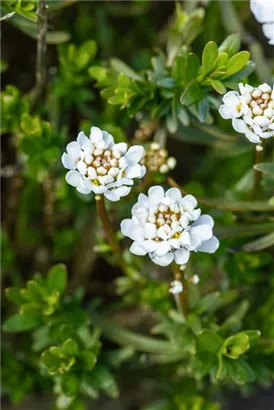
(251, 111)
(263, 11)
(156, 159)
(99, 165)
(168, 227)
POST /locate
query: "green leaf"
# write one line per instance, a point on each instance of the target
(192, 93)
(70, 384)
(217, 85)
(240, 371)
(14, 295)
(88, 360)
(210, 54)
(57, 278)
(262, 243)
(20, 323)
(103, 379)
(98, 73)
(128, 338)
(231, 45)
(267, 168)
(70, 347)
(120, 67)
(242, 230)
(192, 67)
(237, 63)
(210, 341)
(236, 345)
(208, 303)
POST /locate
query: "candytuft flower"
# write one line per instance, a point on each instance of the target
(168, 227)
(263, 11)
(251, 111)
(156, 159)
(99, 165)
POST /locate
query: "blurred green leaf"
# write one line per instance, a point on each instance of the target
(20, 323)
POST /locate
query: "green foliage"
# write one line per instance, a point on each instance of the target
(13, 106)
(144, 73)
(63, 338)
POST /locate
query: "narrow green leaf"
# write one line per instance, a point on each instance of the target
(243, 230)
(218, 86)
(192, 94)
(20, 323)
(14, 295)
(267, 168)
(120, 67)
(237, 63)
(231, 45)
(57, 278)
(262, 243)
(210, 54)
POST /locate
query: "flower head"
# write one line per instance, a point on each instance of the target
(251, 111)
(168, 227)
(263, 11)
(156, 159)
(99, 165)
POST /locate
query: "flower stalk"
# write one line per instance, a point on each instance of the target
(181, 297)
(257, 175)
(108, 228)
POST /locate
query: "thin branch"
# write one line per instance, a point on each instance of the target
(181, 298)
(109, 231)
(41, 53)
(258, 175)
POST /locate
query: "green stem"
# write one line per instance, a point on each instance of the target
(181, 299)
(258, 175)
(41, 66)
(109, 231)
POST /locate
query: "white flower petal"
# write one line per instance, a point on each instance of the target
(82, 139)
(74, 150)
(204, 232)
(108, 138)
(163, 232)
(155, 194)
(68, 161)
(121, 147)
(162, 248)
(137, 248)
(150, 230)
(111, 195)
(204, 220)
(150, 245)
(174, 193)
(163, 260)
(135, 171)
(225, 112)
(239, 125)
(185, 238)
(122, 191)
(96, 135)
(74, 178)
(134, 154)
(231, 98)
(133, 231)
(181, 256)
(209, 246)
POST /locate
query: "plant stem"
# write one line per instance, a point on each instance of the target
(181, 298)
(41, 51)
(259, 155)
(109, 231)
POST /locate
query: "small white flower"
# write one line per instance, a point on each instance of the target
(156, 159)
(251, 111)
(99, 165)
(168, 227)
(263, 11)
